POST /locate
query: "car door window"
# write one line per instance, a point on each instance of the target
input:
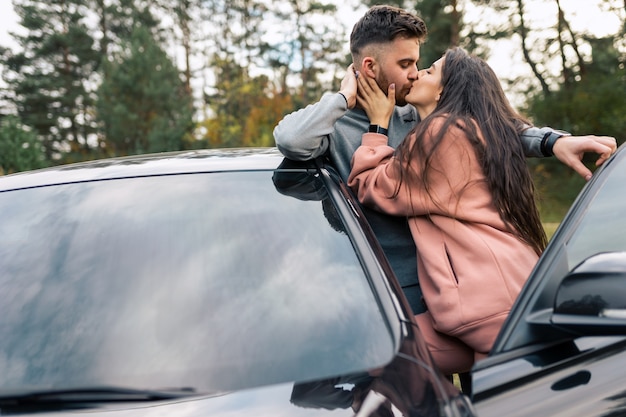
(603, 225)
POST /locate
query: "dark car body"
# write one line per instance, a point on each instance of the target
(562, 348)
(236, 282)
(209, 283)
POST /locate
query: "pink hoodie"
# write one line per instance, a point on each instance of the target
(470, 267)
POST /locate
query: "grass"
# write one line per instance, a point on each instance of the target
(550, 228)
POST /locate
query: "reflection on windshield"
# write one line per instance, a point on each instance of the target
(214, 281)
(404, 387)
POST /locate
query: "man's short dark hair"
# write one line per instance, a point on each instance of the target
(383, 24)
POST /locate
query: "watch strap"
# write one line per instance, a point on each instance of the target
(377, 129)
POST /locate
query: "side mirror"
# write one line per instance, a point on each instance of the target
(591, 299)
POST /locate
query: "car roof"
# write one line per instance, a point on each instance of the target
(206, 160)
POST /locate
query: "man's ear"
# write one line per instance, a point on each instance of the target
(368, 66)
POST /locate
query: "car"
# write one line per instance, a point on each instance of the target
(235, 282)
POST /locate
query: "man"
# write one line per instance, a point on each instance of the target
(385, 45)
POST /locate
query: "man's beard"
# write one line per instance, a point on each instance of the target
(383, 83)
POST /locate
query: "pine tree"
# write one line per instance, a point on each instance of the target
(51, 78)
(143, 103)
(20, 150)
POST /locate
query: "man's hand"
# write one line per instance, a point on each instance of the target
(571, 149)
(348, 87)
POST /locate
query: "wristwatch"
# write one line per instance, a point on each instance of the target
(378, 129)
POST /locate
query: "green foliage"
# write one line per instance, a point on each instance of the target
(91, 77)
(311, 44)
(446, 28)
(442, 27)
(557, 187)
(19, 148)
(143, 105)
(594, 103)
(49, 79)
(245, 109)
(122, 17)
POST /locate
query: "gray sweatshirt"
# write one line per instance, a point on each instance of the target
(329, 127)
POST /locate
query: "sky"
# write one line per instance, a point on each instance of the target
(8, 22)
(582, 15)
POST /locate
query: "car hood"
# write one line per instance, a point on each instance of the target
(406, 385)
(275, 400)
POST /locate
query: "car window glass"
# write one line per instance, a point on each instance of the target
(603, 225)
(213, 281)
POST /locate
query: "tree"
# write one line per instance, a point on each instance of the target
(50, 79)
(263, 59)
(182, 12)
(588, 93)
(245, 109)
(312, 44)
(444, 22)
(235, 33)
(143, 104)
(118, 20)
(595, 102)
(447, 27)
(20, 150)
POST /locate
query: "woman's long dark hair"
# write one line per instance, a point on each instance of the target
(473, 97)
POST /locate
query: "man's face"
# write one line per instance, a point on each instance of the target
(398, 64)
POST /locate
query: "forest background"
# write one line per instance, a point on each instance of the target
(89, 79)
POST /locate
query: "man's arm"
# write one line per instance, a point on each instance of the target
(304, 134)
(534, 140)
(543, 142)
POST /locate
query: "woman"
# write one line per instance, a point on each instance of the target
(461, 179)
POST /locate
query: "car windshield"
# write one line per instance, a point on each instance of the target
(214, 281)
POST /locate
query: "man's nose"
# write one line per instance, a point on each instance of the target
(414, 75)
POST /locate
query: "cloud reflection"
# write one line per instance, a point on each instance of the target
(178, 281)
